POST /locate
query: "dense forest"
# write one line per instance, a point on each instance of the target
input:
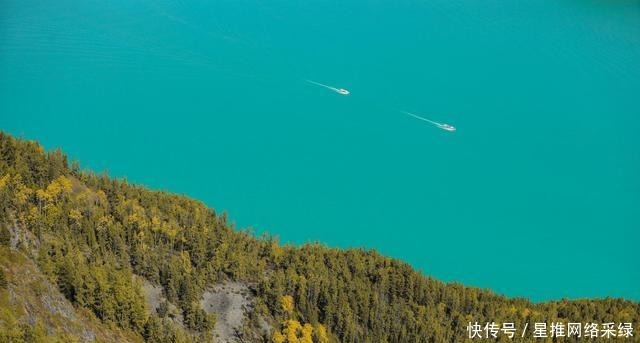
(95, 238)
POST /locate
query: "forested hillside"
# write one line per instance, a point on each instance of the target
(97, 239)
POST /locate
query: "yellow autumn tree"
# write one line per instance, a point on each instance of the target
(321, 334)
(58, 187)
(292, 331)
(286, 303)
(21, 193)
(307, 334)
(278, 337)
(4, 181)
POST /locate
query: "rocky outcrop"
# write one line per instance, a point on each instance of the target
(230, 302)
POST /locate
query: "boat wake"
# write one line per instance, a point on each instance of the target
(337, 90)
(443, 126)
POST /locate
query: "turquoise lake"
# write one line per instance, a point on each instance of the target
(537, 194)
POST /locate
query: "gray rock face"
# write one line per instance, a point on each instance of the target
(154, 297)
(229, 301)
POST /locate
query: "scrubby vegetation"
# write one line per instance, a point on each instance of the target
(90, 234)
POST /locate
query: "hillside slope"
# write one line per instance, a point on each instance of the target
(33, 309)
(154, 266)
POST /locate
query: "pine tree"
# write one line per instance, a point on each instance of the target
(5, 234)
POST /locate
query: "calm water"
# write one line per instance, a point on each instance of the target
(536, 195)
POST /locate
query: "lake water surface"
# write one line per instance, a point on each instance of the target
(537, 194)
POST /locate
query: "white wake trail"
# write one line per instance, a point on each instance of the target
(337, 90)
(421, 118)
(443, 126)
(322, 85)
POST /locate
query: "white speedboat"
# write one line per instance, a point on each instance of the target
(447, 127)
(340, 91)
